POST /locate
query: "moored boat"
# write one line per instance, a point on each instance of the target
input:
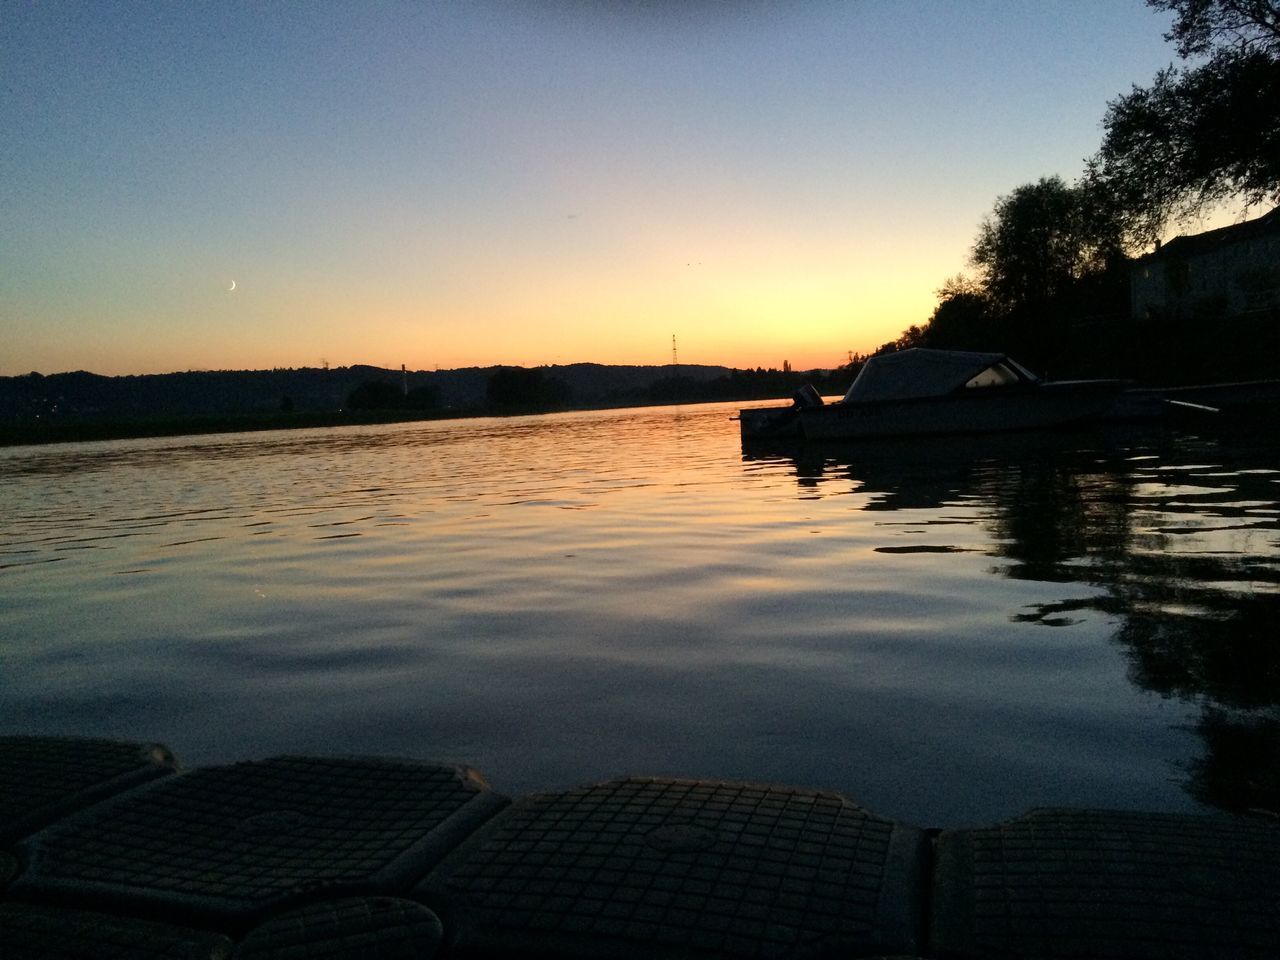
(923, 391)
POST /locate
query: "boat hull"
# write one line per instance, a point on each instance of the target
(971, 411)
(771, 423)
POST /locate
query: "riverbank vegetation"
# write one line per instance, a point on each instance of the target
(38, 409)
(1051, 264)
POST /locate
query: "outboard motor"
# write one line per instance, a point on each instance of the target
(807, 397)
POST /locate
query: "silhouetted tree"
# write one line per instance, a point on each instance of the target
(913, 336)
(1038, 240)
(1051, 257)
(1200, 134)
(757, 384)
(963, 318)
(1203, 25)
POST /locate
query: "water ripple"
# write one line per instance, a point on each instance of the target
(1033, 619)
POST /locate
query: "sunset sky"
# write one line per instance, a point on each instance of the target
(447, 184)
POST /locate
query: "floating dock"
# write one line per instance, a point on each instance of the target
(108, 850)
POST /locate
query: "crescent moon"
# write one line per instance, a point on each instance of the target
(232, 287)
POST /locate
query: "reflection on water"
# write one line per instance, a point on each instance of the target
(1173, 535)
(947, 630)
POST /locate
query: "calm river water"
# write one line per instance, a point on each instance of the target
(947, 631)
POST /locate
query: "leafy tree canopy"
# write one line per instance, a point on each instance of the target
(1039, 240)
(963, 317)
(1199, 134)
(1203, 25)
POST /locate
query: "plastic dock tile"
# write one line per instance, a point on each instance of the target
(232, 842)
(1109, 885)
(356, 928)
(51, 933)
(650, 867)
(44, 778)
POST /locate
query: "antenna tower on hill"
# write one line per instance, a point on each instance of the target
(674, 361)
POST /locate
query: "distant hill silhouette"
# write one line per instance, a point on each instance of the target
(89, 396)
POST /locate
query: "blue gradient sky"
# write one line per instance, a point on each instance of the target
(449, 184)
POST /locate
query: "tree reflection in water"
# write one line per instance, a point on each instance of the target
(1174, 535)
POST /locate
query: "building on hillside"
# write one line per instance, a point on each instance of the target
(1230, 271)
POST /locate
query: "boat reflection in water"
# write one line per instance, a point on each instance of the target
(1173, 537)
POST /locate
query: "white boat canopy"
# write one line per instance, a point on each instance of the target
(920, 372)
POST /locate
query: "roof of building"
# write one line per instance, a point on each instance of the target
(1185, 245)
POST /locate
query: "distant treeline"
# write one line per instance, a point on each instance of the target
(541, 388)
(67, 406)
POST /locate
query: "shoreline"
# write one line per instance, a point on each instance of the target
(82, 431)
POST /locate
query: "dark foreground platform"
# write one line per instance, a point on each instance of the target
(108, 851)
